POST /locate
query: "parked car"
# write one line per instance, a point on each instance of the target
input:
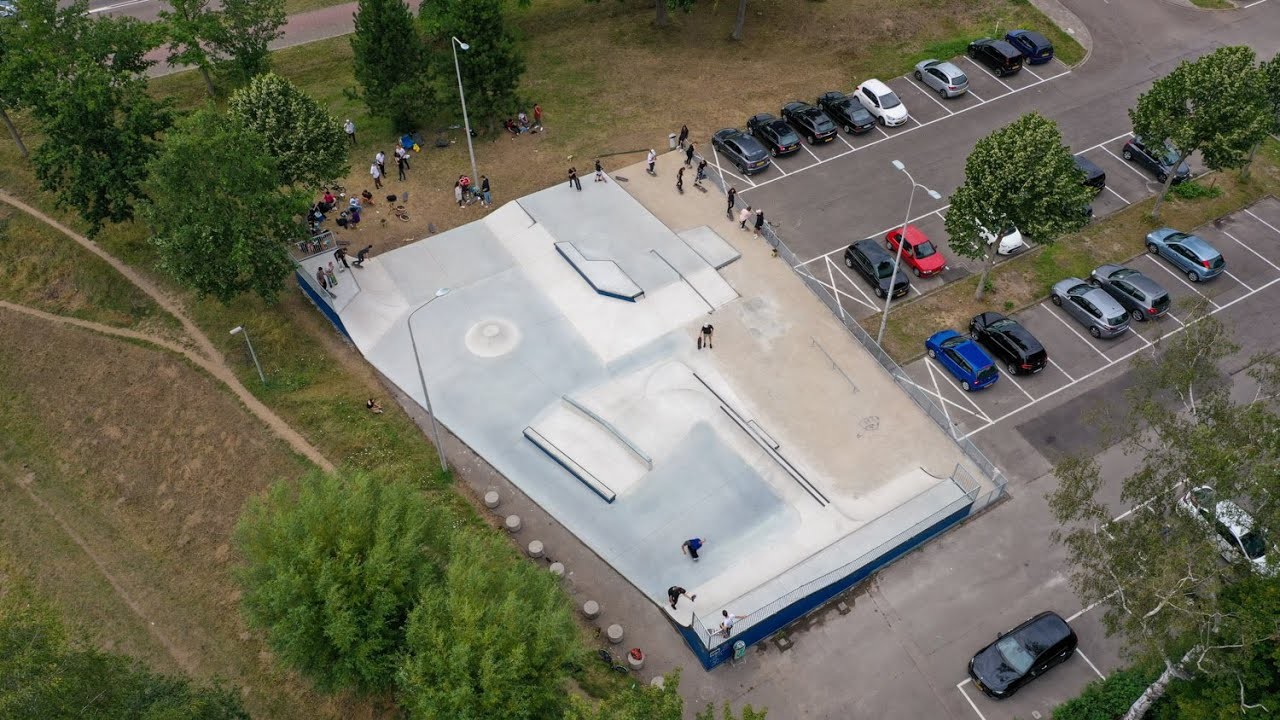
(1035, 47)
(882, 103)
(943, 77)
(810, 122)
(1233, 528)
(919, 252)
(876, 267)
(1011, 241)
(1008, 341)
(963, 358)
(1000, 57)
(847, 112)
(743, 151)
(1092, 307)
(775, 134)
(1094, 176)
(1191, 254)
(1157, 158)
(1022, 654)
(1139, 294)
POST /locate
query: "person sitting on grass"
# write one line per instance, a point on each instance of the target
(373, 406)
(510, 126)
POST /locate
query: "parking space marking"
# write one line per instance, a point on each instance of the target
(1127, 164)
(1246, 247)
(989, 73)
(1175, 319)
(929, 94)
(1018, 385)
(960, 687)
(1091, 665)
(1179, 278)
(1064, 372)
(846, 142)
(1073, 332)
(811, 153)
(1102, 145)
(1233, 277)
(1027, 69)
(1113, 192)
(881, 233)
(962, 391)
(867, 301)
(1139, 336)
(833, 287)
(1255, 217)
(938, 394)
(980, 100)
(778, 167)
(724, 172)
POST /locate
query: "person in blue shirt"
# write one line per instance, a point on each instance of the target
(691, 547)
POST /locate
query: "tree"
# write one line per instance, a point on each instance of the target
(646, 702)
(308, 144)
(193, 28)
(221, 223)
(740, 20)
(15, 83)
(492, 641)
(1216, 104)
(490, 68)
(1158, 574)
(250, 26)
(391, 62)
(1020, 175)
(333, 568)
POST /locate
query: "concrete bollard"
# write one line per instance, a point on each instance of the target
(535, 549)
(491, 499)
(614, 633)
(636, 663)
(591, 609)
(658, 682)
(557, 569)
(512, 523)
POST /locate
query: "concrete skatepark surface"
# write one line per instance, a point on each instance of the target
(683, 439)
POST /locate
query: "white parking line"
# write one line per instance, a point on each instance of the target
(988, 72)
(880, 234)
(1027, 69)
(938, 394)
(1179, 278)
(1064, 372)
(778, 167)
(1233, 277)
(1139, 335)
(1175, 318)
(833, 288)
(1104, 143)
(867, 300)
(846, 142)
(1091, 665)
(928, 92)
(1255, 217)
(1018, 385)
(1113, 192)
(960, 687)
(1127, 164)
(1255, 252)
(882, 132)
(1084, 610)
(724, 172)
(1073, 332)
(1255, 2)
(962, 391)
(811, 153)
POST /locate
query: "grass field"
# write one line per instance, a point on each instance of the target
(1026, 279)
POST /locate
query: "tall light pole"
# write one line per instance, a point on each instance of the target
(466, 124)
(435, 428)
(240, 330)
(897, 257)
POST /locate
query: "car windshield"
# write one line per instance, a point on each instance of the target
(925, 249)
(1254, 545)
(1169, 156)
(884, 269)
(1014, 655)
(1123, 273)
(889, 100)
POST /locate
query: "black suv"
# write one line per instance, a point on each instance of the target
(810, 122)
(745, 152)
(847, 112)
(1094, 176)
(1157, 158)
(1019, 350)
(999, 56)
(875, 265)
(776, 134)
(1022, 654)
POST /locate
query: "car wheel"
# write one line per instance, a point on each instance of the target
(1094, 331)
(880, 293)
(1151, 248)
(848, 129)
(916, 271)
(741, 169)
(919, 76)
(1162, 177)
(882, 122)
(1055, 300)
(1138, 315)
(1192, 276)
(1013, 369)
(933, 353)
(813, 140)
(942, 92)
(1127, 155)
(848, 263)
(964, 385)
(774, 152)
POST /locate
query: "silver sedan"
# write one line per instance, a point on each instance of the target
(948, 80)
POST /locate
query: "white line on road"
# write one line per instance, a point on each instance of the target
(929, 94)
(960, 687)
(846, 142)
(1064, 372)
(1233, 277)
(1255, 252)
(1113, 192)
(1018, 385)
(1091, 665)
(1179, 279)
(927, 391)
(1264, 222)
(1175, 319)
(980, 100)
(1127, 164)
(868, 302)
(1082, 611)
(117, 6)
(1027, 69)
(811, 154)
(1073, 332)
(988, 72)
(833, 288)
(934, 378)
(962, 391)
(1135, 332)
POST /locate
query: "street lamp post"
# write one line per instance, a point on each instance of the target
(240, 330)
(435, 428)
(897, 257)
(454, 44)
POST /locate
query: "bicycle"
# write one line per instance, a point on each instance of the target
(607, 658)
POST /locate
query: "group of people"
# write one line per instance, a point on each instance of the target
(521, 124)
(465, 194)
(378, 170)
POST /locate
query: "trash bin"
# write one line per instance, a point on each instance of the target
(671, 141)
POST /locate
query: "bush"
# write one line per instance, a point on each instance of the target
(1105, 699)
(1193, 190)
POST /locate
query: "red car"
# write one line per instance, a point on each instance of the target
(919, 252)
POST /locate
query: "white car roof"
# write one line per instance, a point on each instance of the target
(876, 87)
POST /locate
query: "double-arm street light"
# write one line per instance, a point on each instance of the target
(435, 428)
(240, 330)
(455, 44)
(902, 240)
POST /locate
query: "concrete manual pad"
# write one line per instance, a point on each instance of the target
(710, 246)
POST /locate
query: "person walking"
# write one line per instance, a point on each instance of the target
(743, 216)
(381, 159)
(341, 256)
(600, 171)
(573, 179)
(705, 337)
(691, 547)
(684, 135)
(759, 222)
(362, 255)
(726, 625)
(484, 191)
(457, 193)
(733, 197)
(653, 158)
(702, 172)
(324, 285)
(673, 595)
(680, 180)
(688, 155)
(537, 117)
(350, 127)
(401, 165)
(376, 172)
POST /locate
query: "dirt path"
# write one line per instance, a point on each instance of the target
(217, 369)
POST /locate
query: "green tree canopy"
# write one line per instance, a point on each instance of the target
(307, 142)
(1216, 104)
(391, 62)
(333, 568)
(646, 702)
(249, 26)
(192, 28)
(492, 641)
(1158, 573)
(490, 68)
(221, 223)
(1021, 175)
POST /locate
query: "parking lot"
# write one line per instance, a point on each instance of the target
(1248, 239)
